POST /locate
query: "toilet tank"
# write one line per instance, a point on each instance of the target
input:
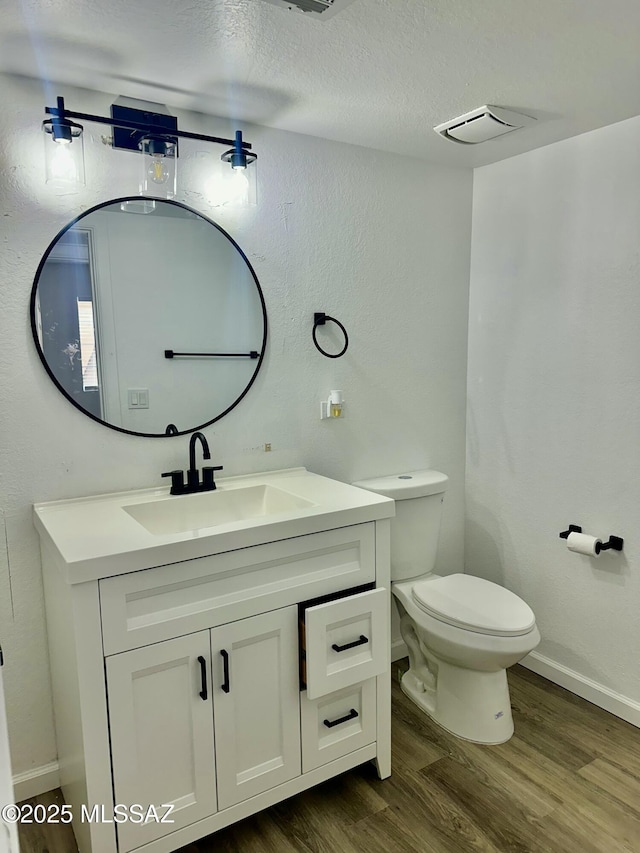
(416, 526)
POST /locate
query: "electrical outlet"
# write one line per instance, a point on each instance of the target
(264, 448)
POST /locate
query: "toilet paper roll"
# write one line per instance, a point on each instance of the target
(583, 544)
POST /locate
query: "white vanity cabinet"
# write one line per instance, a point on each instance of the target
(164, 707)
(213, 686)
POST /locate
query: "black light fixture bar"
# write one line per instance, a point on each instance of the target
(62, 113)
(123, 139)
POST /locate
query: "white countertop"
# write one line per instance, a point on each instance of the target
(94, 537)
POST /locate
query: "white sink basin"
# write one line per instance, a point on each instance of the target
(184, 513)
(106, 535)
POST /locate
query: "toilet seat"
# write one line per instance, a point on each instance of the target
(474, 604)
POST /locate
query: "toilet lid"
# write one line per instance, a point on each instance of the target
(474, 604)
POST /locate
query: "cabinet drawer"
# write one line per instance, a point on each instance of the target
(337, 724)
(156, 604)
(346, 641)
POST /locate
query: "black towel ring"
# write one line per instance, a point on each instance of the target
(319, 319)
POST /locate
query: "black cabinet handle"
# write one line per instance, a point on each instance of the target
(360, 642)
(225, 663)
(203, 678)
(350, 716)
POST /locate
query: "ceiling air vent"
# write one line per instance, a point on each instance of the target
(482, 124)
(321, 10)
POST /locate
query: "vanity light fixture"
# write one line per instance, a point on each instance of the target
(154, 134)
(159, 173)
(64, 162)
(237, 190)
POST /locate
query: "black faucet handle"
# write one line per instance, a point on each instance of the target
(208, 482)
(177, 481)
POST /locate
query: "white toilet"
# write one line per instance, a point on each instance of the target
(462, 632)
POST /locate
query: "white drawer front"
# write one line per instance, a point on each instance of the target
(337, 724)
(346, 641)
(156, 604)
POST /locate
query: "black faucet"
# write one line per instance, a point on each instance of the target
(193, 484)
(193, 475)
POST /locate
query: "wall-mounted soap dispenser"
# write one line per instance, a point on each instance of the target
(333, 407)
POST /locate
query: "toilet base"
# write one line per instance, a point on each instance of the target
(472, 705)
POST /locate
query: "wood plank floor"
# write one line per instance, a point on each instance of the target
(569, 780)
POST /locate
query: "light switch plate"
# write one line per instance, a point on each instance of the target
(138, 398)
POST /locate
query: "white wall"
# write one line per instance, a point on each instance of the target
(554, 398)
(379, 241)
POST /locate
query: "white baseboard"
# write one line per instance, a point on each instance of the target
(593, 692)
(34, 782)
(398, 649)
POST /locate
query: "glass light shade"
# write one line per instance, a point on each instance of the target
(64, 161)
(138, 205)
(228, 187)
(158, 177)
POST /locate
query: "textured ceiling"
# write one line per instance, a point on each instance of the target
(381, 73)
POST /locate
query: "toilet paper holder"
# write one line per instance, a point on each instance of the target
(614, 543)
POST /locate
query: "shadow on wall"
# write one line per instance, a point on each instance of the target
(473, 441)
(45, 57)
(483, 557)
(50, 58)
(239, 101)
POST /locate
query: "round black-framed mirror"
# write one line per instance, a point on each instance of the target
(148, 317)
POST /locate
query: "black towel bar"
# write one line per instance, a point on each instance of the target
(169, 353)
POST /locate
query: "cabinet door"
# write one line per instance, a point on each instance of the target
(161, 724)
(257, 704)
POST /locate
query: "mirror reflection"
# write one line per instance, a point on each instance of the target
(148, 317)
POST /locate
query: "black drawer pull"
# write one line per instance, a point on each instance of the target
(225, 686)
(203, 677)
(350, 716)
(360, 642)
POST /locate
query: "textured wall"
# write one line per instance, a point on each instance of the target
(554, 393)
(379, 241)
